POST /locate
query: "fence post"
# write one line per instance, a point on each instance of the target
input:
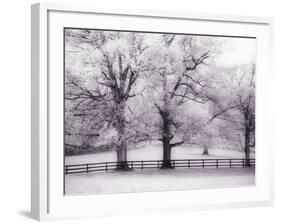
(87, 168)
(217, 163)
(230, 163)
(157, 163)
(106, 169)
(132, 165)
(142, 165)
(203, 163)
(66, 169)
(243, 165)
(188, 163)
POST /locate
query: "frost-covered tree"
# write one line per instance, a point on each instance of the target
(102, 69)
(178, 79)
(233, 101)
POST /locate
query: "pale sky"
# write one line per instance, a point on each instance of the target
(237, 51)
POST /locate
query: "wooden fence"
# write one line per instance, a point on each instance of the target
(149, 164)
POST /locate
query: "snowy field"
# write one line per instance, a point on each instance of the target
(154, 152)
(157, 179)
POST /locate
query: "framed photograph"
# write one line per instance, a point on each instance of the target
(161, 111)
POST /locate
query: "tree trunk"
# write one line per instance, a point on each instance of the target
(122, 144)
(166, 164)
(122, 156)
(165, 115)
(247, 146)
(205, 152)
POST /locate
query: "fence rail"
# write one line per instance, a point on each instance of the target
(150, 164)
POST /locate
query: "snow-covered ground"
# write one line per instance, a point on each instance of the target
(158, 180)
(154, 152)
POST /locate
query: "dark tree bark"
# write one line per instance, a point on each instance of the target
(166, 142)
(122, 144)
(247, 146)
(165, 115)
(205, 152)
(249, 125)
(166, 139)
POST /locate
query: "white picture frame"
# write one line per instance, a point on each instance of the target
(47, 199)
